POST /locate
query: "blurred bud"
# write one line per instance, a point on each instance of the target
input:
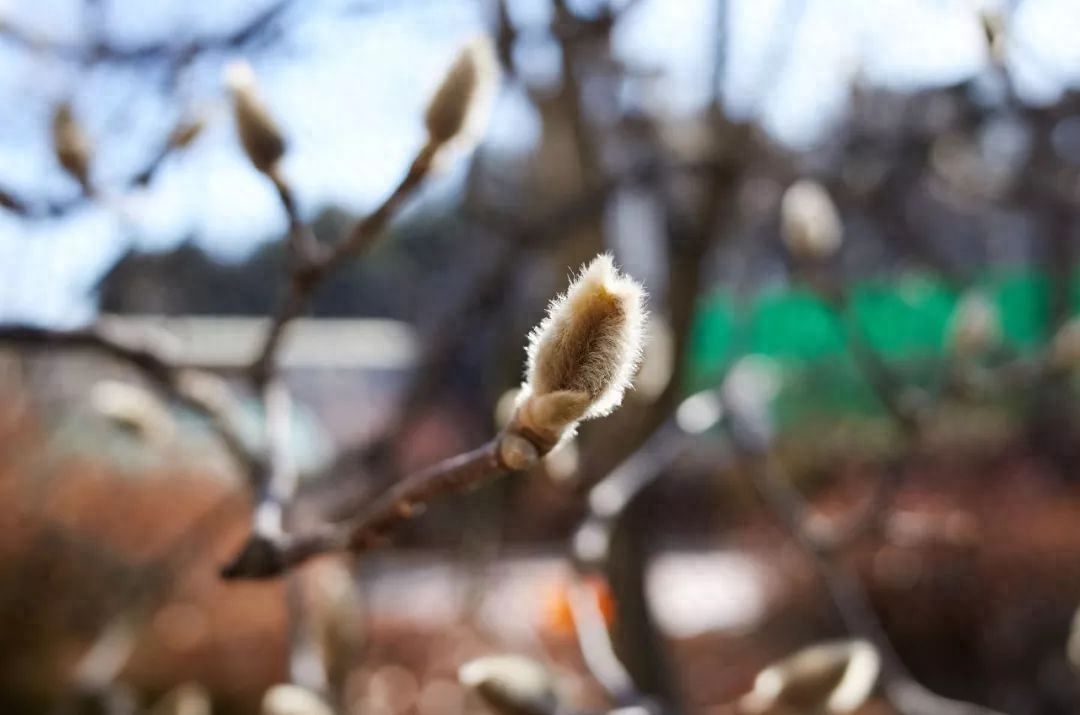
(186, 699)
(184, 133)
(1073, 646)
(562, 462)
(809, 222)
(582, 357)
(461, 106)
(828, 678)
(337, 614)
(133, 409)
(286, 699)
(259, 133)
(511, 684)
(699, 413)
(975, 327)
(993, 26)
(748, 391)
(1065, 347)
(71, 146)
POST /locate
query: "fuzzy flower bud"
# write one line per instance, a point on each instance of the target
(511, 684)
(71, 146)
(461, 106)
(809, 222)
(975, 326)
(582, 356)
(259, 133)
(833, 678)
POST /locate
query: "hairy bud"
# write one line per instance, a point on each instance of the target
(461, 106)
(975, 326)
(259, 133)
(71, 146)
(293, 700)
(582, 357)
(511, 684)
(835, 677)
(809, 222)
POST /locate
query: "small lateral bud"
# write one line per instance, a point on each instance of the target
(286, 699)
(259, 133)
(583, 355)
(975, 326)
(516, 452)
(71, 146)
(511, 684)
(829, 678)
(809, 222)
(461, 106)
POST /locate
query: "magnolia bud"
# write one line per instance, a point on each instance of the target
(975, 326)
(828, 678)
(809, 222)
(511, 684)
(288, 699)
(582, 357)
(259, 133)
(71, 146)
(461, 106)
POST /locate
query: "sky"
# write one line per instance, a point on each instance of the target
(349, 90)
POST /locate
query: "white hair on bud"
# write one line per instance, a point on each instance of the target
(582, 356)
(461, 106)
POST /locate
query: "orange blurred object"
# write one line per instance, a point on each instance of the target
(558, 618)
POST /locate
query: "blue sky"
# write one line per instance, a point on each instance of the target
(349, 91)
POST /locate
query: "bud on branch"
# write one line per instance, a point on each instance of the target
(259, 133)
(582, 357)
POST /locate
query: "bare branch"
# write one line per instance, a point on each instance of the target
(173, 53)
(267, 556)
(311, 267)
(185, 384)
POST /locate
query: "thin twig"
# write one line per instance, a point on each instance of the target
(267, 556)
(312, 267)
(180, 382)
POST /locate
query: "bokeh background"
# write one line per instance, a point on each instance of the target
(946, 134)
